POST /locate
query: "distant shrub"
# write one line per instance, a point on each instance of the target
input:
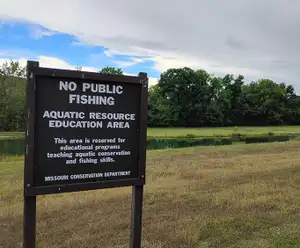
(236, 128)
(225, 141)
(237, 136)
(279, 138)
(191, 136)
(256, 139)
(164, 143)
(180, 143)
(270, 134)
(264, 139)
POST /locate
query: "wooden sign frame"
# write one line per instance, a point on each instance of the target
(31, 191)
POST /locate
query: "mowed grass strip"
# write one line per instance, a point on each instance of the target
(11, 135)
(199, 132)
(230, 196)
(220, 131)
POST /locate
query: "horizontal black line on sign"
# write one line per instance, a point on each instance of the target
(49, 72)
(66, 188)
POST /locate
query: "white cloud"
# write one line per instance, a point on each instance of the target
(16, 53)
(164, 63)
(109, 53)
(132, 61)
(79, 43)
(52, 62)
(38, 32)
(22, 61)
(256, 38)
(152, 81)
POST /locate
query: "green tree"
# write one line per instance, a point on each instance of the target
(199, 98)
(265, 102)
(216, 108)
(175, 88)
(111, 70)
(184, 94)
(12, 96)
(238, 101)
(160, 112)
(184, 97)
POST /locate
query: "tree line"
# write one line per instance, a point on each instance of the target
(195, 98)
(183, 97)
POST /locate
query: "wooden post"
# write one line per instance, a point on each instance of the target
(29, 221)
(137, 190)
(29, 225)
(136, 216)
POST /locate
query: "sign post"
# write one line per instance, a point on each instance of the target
(85, 131)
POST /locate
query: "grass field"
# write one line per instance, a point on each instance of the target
(221, 131)
(11, 135)
(230, 196)
(200, 132)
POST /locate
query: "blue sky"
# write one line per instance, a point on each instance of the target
(27, 41)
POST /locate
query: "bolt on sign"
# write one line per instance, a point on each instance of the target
(85, 131)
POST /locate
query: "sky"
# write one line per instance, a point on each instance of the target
(255, 38)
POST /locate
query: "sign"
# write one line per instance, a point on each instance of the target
(85, 131)
(88, 130)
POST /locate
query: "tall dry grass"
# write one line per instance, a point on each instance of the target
(231, 196)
